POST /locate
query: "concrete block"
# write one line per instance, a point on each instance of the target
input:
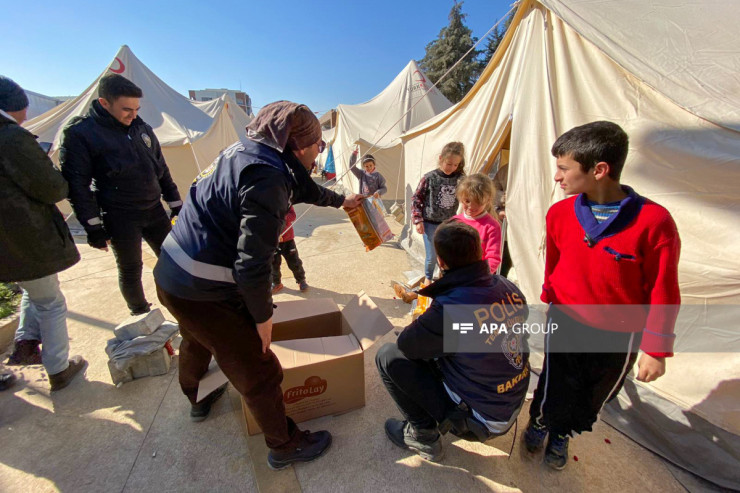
(119, 376)
(148, 365)
(139, 325)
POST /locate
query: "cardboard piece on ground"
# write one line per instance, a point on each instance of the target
(324, 371)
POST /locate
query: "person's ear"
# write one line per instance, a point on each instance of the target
(601, 170)
(299, 153)
(442, 264)
(104, 103)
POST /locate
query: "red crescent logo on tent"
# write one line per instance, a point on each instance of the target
(422, 78)
(120, 69)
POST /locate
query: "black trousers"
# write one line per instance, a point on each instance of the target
(127, 228)
(288, 250)
(416, 387)
(506, 260)
(575, 383)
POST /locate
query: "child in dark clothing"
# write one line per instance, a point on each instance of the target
(435, 200)
(611, 279)
(432, 387)
(287, 248)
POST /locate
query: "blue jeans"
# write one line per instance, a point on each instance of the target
(44, 318)
(430, 262)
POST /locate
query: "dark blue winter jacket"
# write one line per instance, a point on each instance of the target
(224, 239)
(494, 383)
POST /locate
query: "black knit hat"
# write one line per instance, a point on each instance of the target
(12, 97)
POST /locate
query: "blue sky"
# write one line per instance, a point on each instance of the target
(318, 53)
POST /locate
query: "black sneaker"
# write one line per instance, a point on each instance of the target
(310, 447)
(427, 443)
(6, 381)
(199, 411)
(534, 437)
(556, 453)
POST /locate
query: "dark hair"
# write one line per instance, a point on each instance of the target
(457, 149)
(593, 143)
(457, 244)
(114, 86)
(367, 158)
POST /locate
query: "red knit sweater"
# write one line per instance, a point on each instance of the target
(636, 266)
(288, 228)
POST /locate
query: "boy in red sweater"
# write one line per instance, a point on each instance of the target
(611, 279)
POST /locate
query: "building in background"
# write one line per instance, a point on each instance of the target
(241, 98)
(328, 120)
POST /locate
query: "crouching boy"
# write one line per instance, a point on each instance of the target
(473, 395)
(611, 278)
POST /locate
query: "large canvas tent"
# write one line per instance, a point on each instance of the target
(38, 104)
(667, 73)
(375, 126)
(191, 133)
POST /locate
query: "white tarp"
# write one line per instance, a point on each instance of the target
(191, 133)
(376, 125)
(667, 73)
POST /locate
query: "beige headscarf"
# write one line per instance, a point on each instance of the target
(287, 124)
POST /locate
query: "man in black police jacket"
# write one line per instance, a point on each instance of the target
(115, 151)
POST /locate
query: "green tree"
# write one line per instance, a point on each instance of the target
(494, 40)
(453, 41)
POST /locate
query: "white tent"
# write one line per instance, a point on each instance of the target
(376, 125)
(191, 133)
(38, 104)
(667, 73)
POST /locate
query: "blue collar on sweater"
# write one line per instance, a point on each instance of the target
(629, 208)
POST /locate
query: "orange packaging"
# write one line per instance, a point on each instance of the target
(422, 303)
(370, 224)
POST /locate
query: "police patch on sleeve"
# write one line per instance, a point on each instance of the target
(147, 140)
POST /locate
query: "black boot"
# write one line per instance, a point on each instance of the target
(26, 352)
(60, 380)
(6, 381)
(310, 446)
(427, 443)
(200, 411)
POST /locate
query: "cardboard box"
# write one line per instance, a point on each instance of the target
(321, 349)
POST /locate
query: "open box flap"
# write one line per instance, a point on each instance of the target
(367, 321)
(291, 310)
(213, 379)
(302, 352)
(291, 354)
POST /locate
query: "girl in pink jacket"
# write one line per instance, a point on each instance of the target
(475, 193)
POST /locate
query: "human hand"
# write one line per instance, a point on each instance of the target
(376, 195)
(502, 215)
(650, 368)
(353, 201)
(420, 228)
(97, 237)
(264, 329)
